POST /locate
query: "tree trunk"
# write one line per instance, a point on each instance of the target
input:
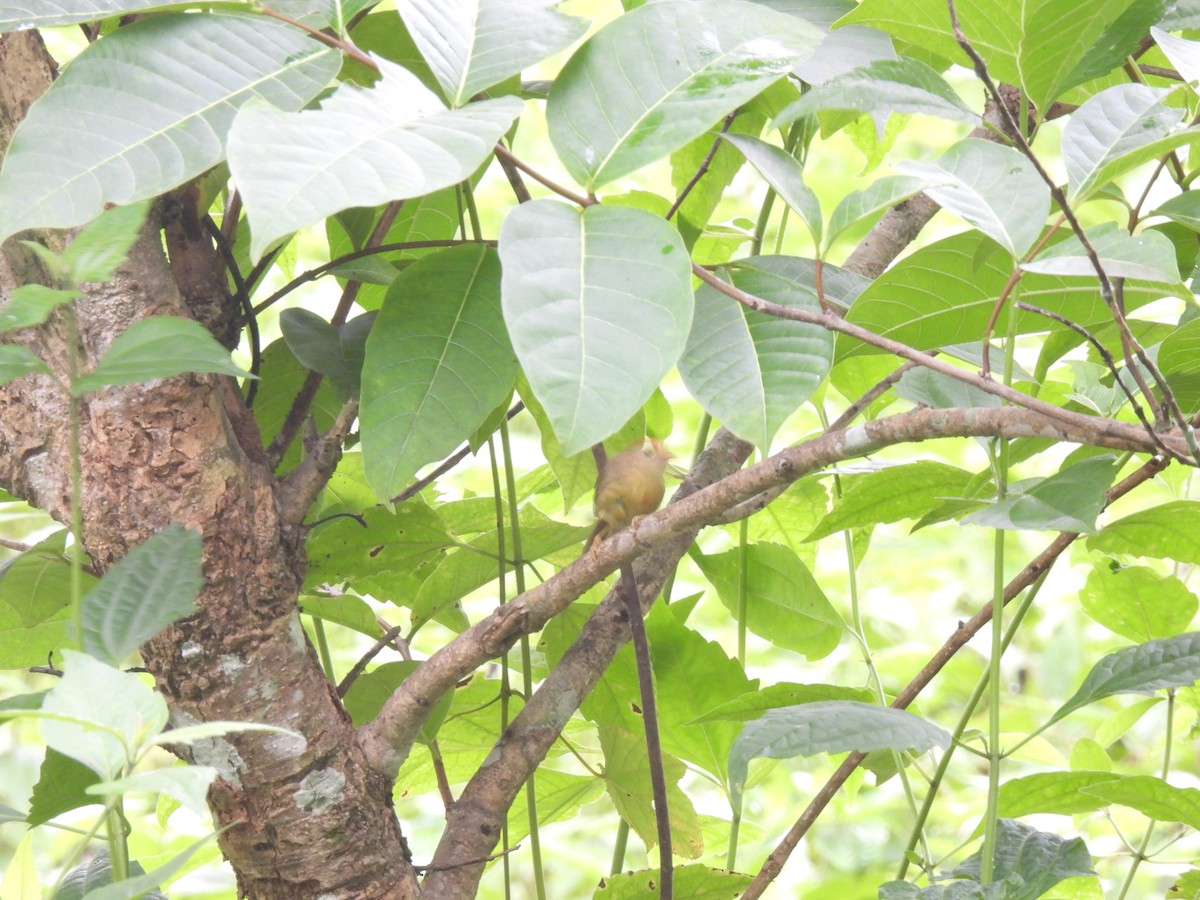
(309, 819)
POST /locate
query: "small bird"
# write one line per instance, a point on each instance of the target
(630, 486)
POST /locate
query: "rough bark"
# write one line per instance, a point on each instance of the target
(309, 817)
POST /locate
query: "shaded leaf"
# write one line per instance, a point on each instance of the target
(784, 602)
(1041, 860)
(438, 362)
(1154, 665)
(1070, 500)
(753, 370)
(61, 787)
(830, 726)
(153, 585)
(158, 347)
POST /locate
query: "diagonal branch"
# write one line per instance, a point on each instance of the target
(388, 738)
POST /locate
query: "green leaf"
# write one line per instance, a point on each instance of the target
(102, 245)
(1183, 208)
(336, 352)
(1041, 860)
(1117, 130)
(364, 146)
(906, 305)
(37, 584)
(1152, 797)
(16, 361)
(695, 882)
(88, 878)
(158, 347)
(36, 14)
(829, 726)
(473, 44)
(692, 675)
(749, 369)
(347, 549)
(153, 585)
(21, 647)
(883, 87)
(1179, 362)
(992, 187)
(1149, 255)
(188, 785)
(1183, 54)
(1071, 500)
(282, 377)
(139, 885)
(1061, 793)
(753, 705)
(896, 492)
(784, 603)
(61, 787)
(874, 198)
(1169, 530)
(627, 780)
(1035, 44)
(783, 173)
(598, 305)
(469, 568)
(31, 304)
(371, 690)
(437, 363)
(346, 610)
(108, 714)
(1138, 603)
(1154, 665)
(683, 65)
(147, 108)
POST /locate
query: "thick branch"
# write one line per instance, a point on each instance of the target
(389, 737)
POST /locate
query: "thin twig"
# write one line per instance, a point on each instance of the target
(703, 168)
(359, 667)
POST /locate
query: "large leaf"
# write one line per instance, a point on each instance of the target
(1040, 860)
(751, 370)
(784, 603)
(438, 362)
(157, 347)
(1062, 793)
(153, 585)
(995, 188)
(1137, 602)
(1154, 665)
(1148, 255)
(598, 305)
(783, 173)
(884, 87)
(897, 492)
(147, 108)
(1179, 362)
(335, 352)
(38, 14)
(472, 44)
(907, 305)
(660, 75)
(1152, 797)
(1069, 500)
(1117, 130)
(1170, 531)
(364, 146)
(828, 726)
(101, 715)
(1036, 44)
